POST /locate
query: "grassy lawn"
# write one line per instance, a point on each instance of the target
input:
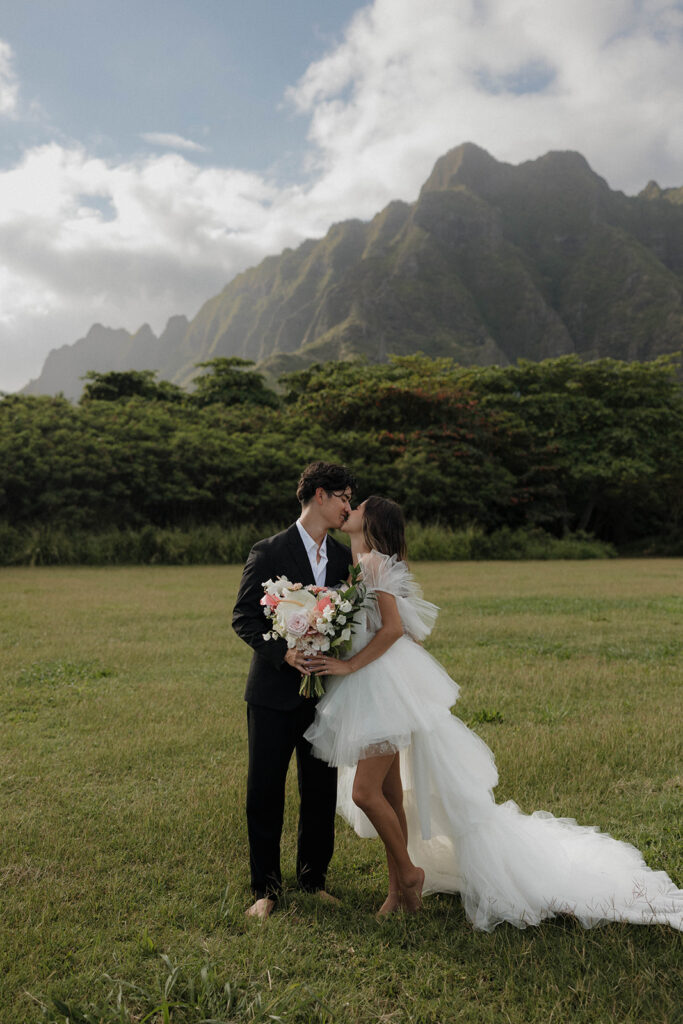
(124, 862)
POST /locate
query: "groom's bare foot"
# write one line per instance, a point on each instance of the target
(262, 909)
(326, 897)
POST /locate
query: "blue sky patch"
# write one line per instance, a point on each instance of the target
(533, 76)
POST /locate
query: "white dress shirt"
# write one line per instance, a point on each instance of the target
(317, 556)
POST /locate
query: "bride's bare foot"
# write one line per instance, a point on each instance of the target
(391, 903)
(412, 894)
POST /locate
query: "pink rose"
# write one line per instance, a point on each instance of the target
(323, 603)
(297, 624)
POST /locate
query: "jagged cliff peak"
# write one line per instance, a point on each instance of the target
(466, 164)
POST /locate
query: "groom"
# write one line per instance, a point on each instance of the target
(277, 716)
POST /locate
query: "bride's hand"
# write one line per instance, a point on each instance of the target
(303, 663)
(332, 666)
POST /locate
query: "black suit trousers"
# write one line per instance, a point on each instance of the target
(274, 735)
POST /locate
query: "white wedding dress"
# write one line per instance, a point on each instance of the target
(506, 865)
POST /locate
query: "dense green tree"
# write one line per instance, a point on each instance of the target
(228, 382)
(613, 433)
(562, 444)
(115, 385)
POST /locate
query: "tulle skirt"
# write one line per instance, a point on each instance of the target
(506, 865)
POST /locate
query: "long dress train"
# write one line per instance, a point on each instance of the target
(506, 865)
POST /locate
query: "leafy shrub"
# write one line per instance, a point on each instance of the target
(11, 545)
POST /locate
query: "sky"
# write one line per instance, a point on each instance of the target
(152, 149)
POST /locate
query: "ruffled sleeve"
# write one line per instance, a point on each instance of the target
(384, 572)
(390, 575)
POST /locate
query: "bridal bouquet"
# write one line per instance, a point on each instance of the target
(312, 619)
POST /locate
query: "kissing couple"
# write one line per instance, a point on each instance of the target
(383, 749)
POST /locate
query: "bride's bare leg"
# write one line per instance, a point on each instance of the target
(392, 788)
(369, 796)
(393, 900)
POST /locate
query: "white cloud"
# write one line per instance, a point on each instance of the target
(168, 140)
(87, 240)
(9, 86)
(409, 81)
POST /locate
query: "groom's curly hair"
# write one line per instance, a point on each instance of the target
(328, 475)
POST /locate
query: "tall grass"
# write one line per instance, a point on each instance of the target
(150, 545)
(441, 543)
(123, 852)
(217, 545)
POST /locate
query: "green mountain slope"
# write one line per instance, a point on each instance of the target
(492, 262)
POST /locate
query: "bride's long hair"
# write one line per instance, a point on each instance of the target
(384, 527)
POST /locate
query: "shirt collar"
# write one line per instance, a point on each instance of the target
(311, 545)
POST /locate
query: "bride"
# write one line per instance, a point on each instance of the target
(414, 774)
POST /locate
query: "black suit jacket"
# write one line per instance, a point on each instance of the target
(271, 682)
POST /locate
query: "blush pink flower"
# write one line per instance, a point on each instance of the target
(298, 624)
(270, 600)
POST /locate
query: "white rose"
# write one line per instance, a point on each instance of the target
(341, 619)
(297, 624)
(345, 606)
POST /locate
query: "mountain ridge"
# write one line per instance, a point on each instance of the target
(492, 262)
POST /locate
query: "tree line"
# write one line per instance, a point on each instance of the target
(562, 445)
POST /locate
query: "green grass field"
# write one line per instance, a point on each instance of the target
(124, 863)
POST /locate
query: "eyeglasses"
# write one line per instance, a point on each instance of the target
(342, 495)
